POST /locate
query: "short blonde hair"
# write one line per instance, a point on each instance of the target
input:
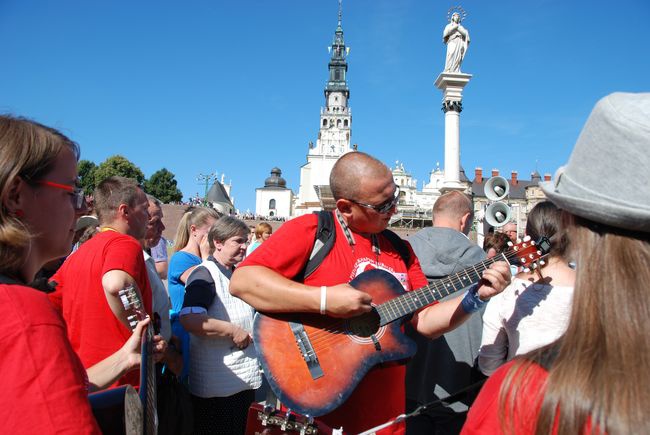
(261, 228)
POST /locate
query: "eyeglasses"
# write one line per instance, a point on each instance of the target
(79, 198)
(385, 206)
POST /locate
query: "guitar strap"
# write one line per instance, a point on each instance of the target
(422, 408)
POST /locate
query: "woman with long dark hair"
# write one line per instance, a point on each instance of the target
(534, 309)
(595, 378)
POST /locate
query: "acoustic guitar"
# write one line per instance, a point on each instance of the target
(314, 362)
(133, 305)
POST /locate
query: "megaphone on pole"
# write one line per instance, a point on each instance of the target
(496, 188)
(497, 214)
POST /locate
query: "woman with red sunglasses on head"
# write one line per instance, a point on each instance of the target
(44, 385)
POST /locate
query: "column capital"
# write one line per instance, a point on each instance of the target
(454, 106)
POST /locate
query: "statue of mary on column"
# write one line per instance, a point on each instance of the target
(457, 39)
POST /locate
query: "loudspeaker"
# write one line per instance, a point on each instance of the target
(497, 214)
(496, 188)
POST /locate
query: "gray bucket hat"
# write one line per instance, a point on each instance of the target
(607, 179)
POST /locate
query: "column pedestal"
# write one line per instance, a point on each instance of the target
(451, 85)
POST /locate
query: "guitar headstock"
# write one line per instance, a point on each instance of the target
(132, 304)
(528, 253)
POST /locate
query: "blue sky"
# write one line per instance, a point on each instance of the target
(236, 87)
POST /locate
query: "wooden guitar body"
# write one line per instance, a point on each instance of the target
(314, 371)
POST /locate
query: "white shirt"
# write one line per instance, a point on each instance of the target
(522, 318)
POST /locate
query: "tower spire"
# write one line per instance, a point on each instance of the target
(340, 12)
(338, 65)
(336, 117)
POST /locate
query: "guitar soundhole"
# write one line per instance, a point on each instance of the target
(364, 325)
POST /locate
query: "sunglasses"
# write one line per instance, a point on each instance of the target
(385, 206)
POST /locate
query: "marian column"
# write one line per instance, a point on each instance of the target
(451, 82)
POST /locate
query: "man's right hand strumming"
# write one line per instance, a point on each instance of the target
(343, 300)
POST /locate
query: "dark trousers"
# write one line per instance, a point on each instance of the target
(433, 423)
(222, 415)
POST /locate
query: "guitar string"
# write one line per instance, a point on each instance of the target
(335, 330)
(406, 300)
(406, 303)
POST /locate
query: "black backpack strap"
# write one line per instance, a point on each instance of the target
(399, 245)
(323, 242)
(326, 236)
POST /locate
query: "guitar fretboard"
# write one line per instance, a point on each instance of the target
(412, 301)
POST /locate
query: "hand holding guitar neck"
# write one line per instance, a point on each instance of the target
(132, 348)
(152, 347)
(494, 280)
(344, 301)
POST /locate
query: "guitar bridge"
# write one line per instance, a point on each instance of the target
(306, 350)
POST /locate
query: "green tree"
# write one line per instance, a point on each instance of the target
(86, 170)
(118, 165)
(162, 184)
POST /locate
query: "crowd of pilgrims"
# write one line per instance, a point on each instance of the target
(562, 348)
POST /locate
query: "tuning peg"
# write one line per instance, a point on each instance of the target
(509, 244)
(542, 262)
(526, 269)
(527, 239)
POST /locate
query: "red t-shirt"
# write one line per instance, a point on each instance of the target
(93, 329)
(483, 416)
(379, 397)
(44, 385)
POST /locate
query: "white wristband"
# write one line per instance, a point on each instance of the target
(323, 300)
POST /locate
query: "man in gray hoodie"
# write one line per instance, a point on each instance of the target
(445, 365)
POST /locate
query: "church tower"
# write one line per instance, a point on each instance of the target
(334, 133)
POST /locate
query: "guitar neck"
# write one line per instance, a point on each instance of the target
(133, 304)
(412, 301)
(148, 378)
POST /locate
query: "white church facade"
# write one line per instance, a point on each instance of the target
(275, 199)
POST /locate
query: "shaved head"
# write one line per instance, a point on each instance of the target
(453, 205)
(450, 210)
(352, 168)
